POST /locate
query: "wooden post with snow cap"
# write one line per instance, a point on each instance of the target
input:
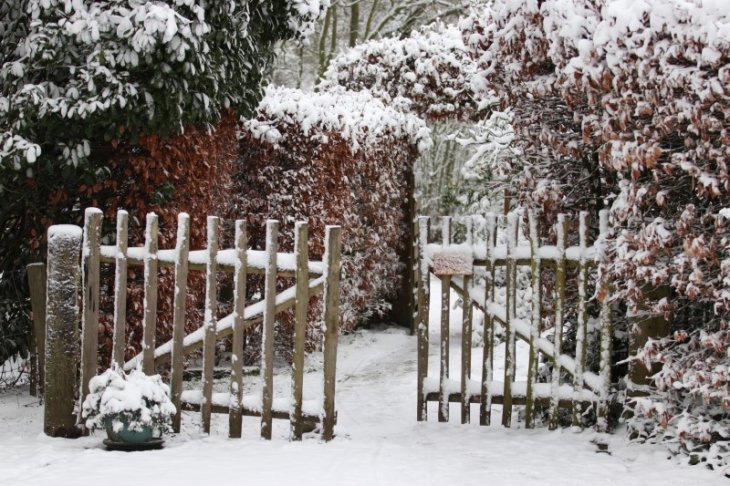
(182, 248)
(604, 296)
(581, 338)
(209, 321)
(301, 252)
(149, 324)
(332, 245)
(534, 320)
(62, 324)
(235, 422)
(267, 334)
(562, 234)
(423, 311)
(509, 334)
(90, 316)
(485, 402)
(120, 290)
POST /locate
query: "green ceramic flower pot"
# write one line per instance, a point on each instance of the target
(125, 434)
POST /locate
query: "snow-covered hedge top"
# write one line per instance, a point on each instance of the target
(432, 69)
(140, 399)
(365, 122)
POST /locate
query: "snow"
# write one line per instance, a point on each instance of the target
(361, 119)
(64, 232)
(256, 259)
(378, 440)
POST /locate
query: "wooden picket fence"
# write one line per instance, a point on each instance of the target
(311, 278)
(487, 258)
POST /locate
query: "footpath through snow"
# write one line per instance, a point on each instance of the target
(378, 441)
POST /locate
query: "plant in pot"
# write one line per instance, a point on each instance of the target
(134, 408)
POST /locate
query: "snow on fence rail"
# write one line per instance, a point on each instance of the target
(62, 310)
(586, 387)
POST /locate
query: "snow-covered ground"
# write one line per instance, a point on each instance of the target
(378, 441)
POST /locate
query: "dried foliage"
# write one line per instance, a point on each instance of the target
(196, 169)
(333, 158)
(626, 105)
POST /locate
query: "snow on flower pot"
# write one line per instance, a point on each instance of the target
(134, 409)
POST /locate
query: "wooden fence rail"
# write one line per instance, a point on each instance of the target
(311, 278)
(488, 257)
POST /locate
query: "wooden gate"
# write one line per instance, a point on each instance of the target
(311, 278)
(490, 256)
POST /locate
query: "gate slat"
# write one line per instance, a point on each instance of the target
(444, 339)
(581, 338)
(559, 315)
(606, 328)
(301, 235)
(120, 289)
(332, 245)
(509, 341)
(466, 353)
(534, 321)
(423, 314)
(150, 295)
(182, 248)
(90, 316)
(267, 334)
(235, 421)
(485, 402)
(209, 321)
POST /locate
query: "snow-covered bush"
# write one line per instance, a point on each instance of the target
(428, 73)
(134, 400)
(689, 407)
(626, 104)
(433, 74)
(334, 157)
(81, 78)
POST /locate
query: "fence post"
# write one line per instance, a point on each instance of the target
(37, 286)
(332, 245)
(149, 325)
(534, 321)
(423, 310)
(182, 247)
(239, 304)
(62, 338)
(90, 316)
(562, 234)
(581, 338)
(606, 326)
(267, 333)
(209, 321)
(301, 251)
(120, 290)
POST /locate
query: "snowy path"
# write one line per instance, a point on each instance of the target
(378, 443)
